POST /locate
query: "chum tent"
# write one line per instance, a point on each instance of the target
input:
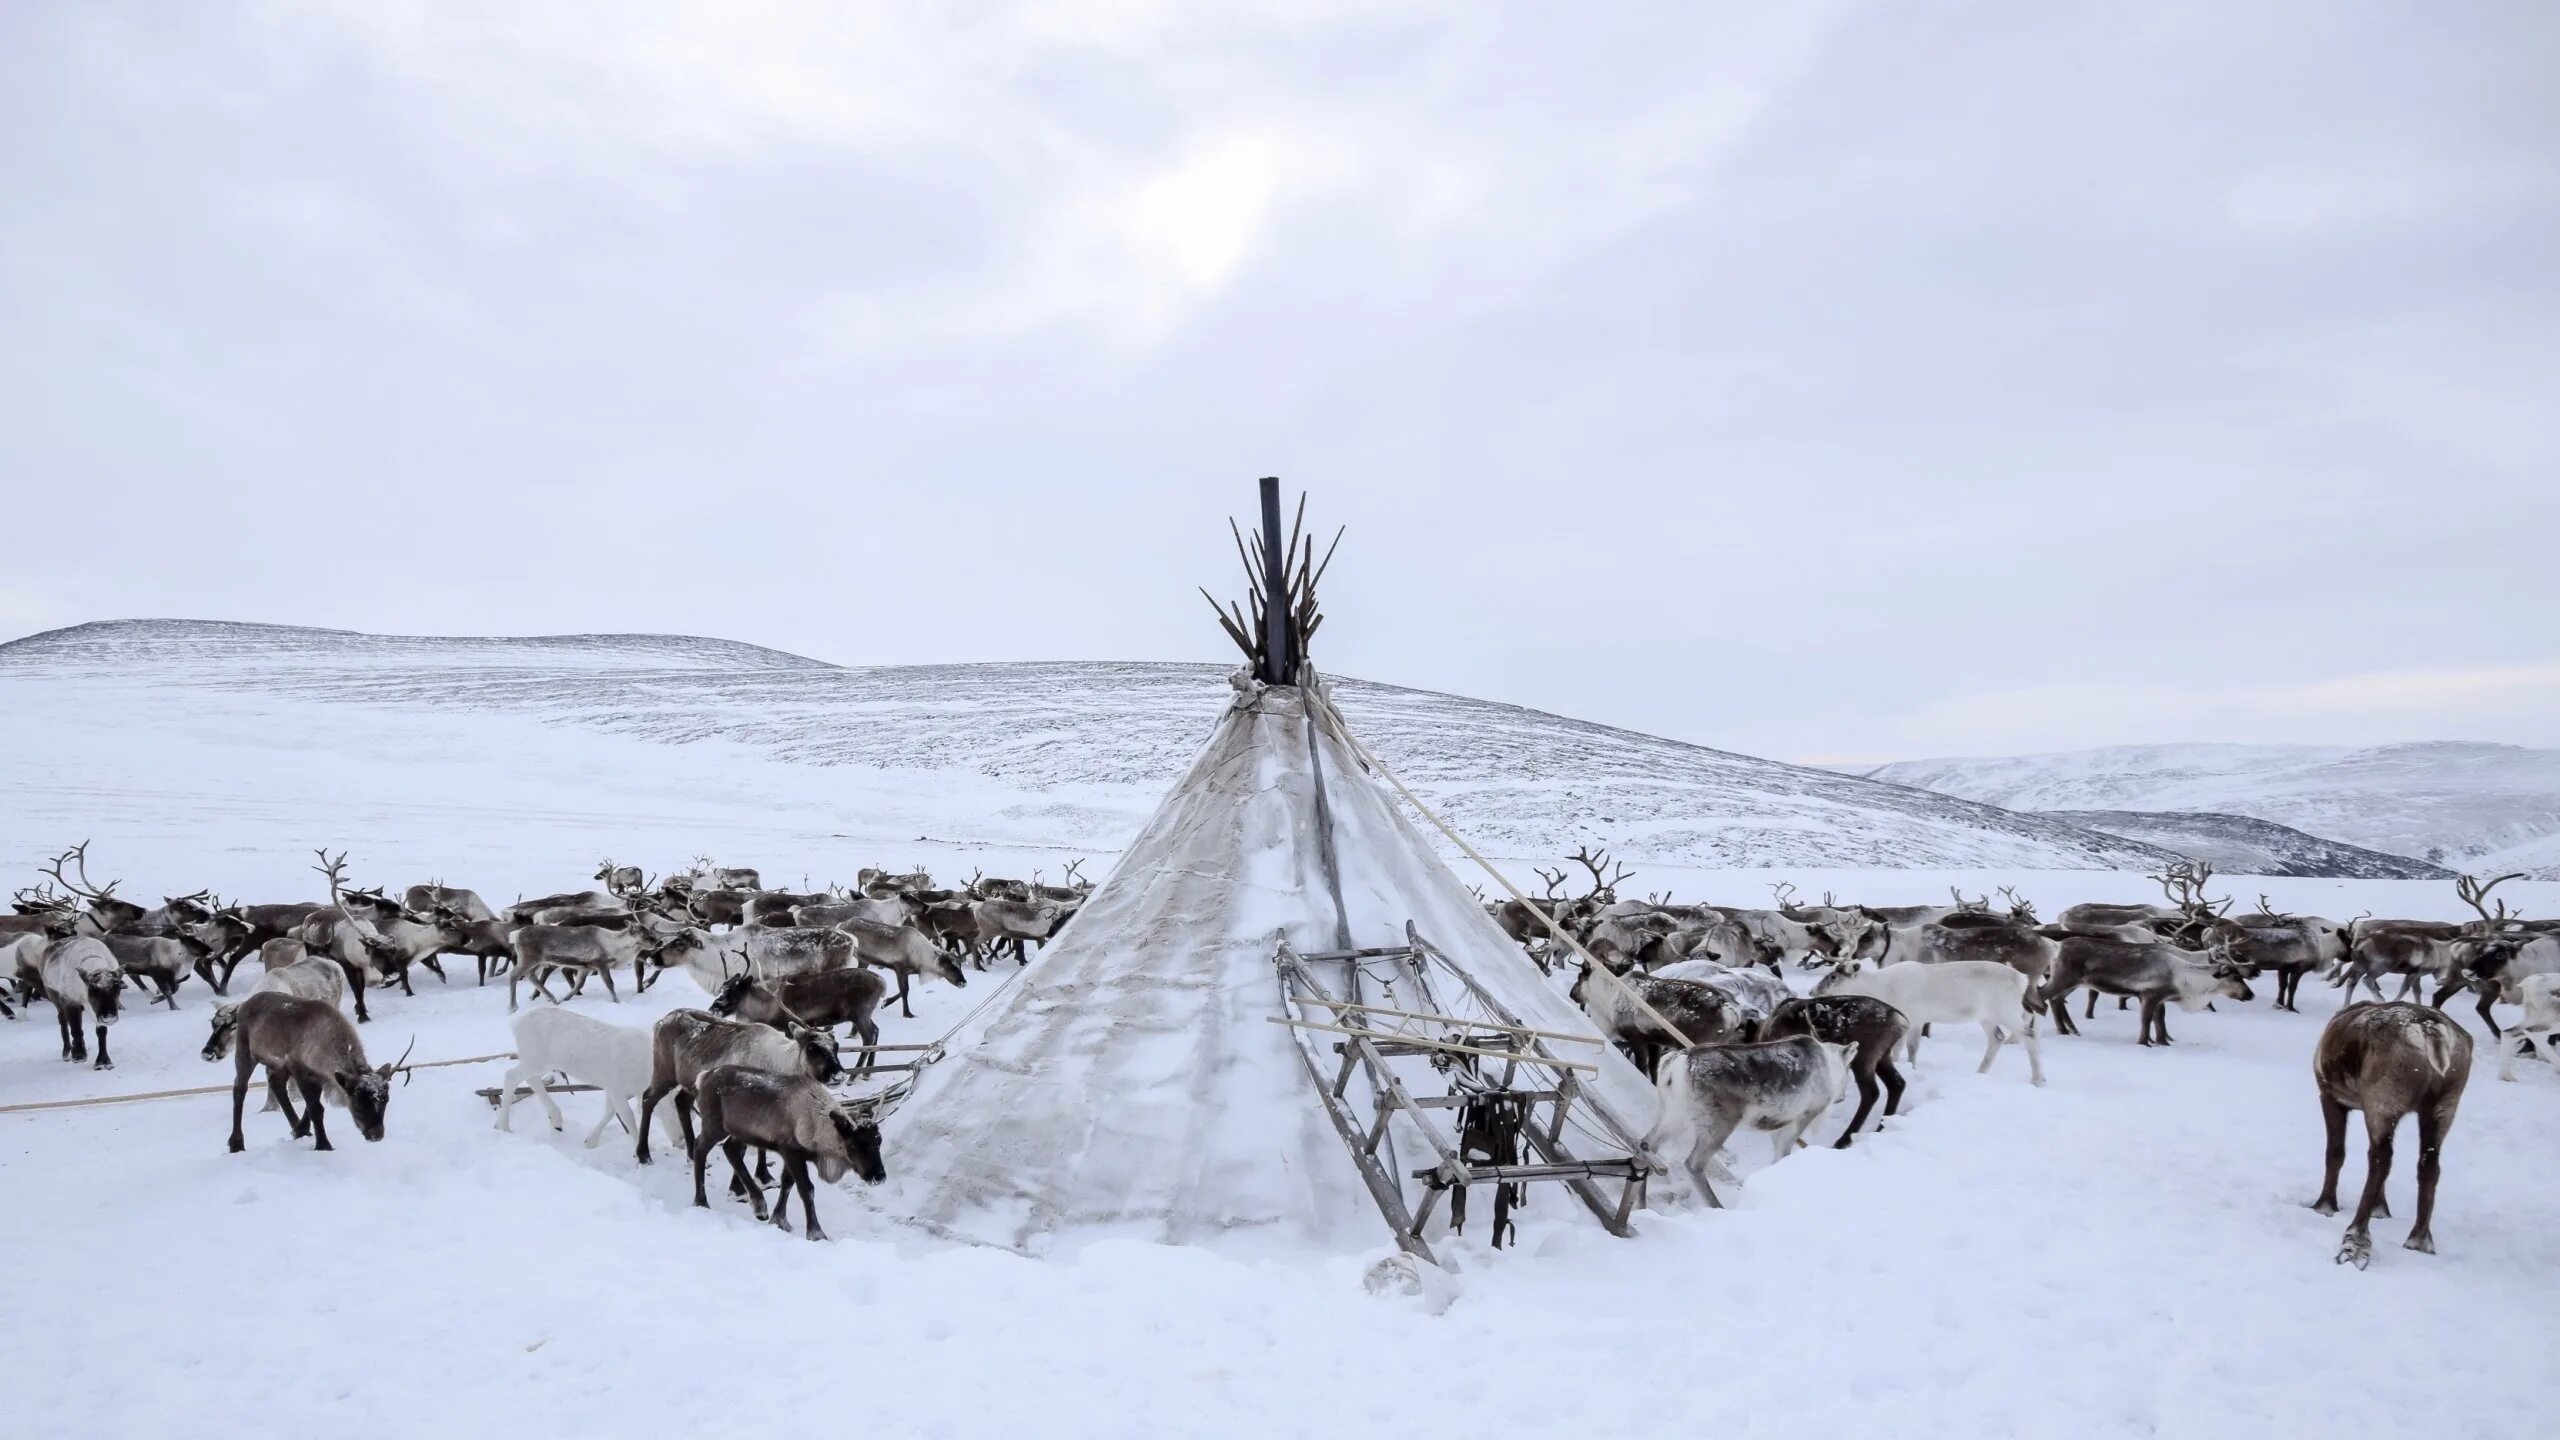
(1132, 1081)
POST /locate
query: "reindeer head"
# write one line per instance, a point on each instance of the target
(368, 1092)
(817, 1051)
(226, 1028)
(860, 1143)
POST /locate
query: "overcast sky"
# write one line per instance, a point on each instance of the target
(1830, 382)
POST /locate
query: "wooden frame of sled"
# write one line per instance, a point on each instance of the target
(1494, 1055)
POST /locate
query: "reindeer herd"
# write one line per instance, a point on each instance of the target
(781, 970)
(1698, 995)
(1695, 994)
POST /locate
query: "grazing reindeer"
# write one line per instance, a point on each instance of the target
(622, 880)
(1871, 1028)
(1700, 1015)
(2388, 1060)
(309, 1044)
(81, 975)
(684, 1043)
(794, 1117)
(1780, 1086)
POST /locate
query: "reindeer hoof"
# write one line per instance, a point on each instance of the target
(2357, 1251)
(2422, 1243)
(2324, 1207)
(815, 1233)
(238, 1145)
(104, 1065)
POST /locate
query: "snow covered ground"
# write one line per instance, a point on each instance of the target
(2123, 1252)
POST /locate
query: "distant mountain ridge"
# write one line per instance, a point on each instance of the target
(2468, 805)
(156, 641)
(1063, 754)
(2240, 845)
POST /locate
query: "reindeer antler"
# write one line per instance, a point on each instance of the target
(1977, 904)
(1554, 881)
(78, 855)
(2184, 884)
(336, 870)
(1602, 882)
(2476, 895)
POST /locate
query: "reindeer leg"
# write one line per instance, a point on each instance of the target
(2488, 996)
(715, 1131)
(808, 1205)
(2333, 1118)
(2357, 1248)
(736, 1150)
(311, 1111)
(902, 996)
(1866, 1078)
(605, 973)
(104, 1063)
(2432, 1123)
(279, 1098)
(782, 1198)
(240, 1095)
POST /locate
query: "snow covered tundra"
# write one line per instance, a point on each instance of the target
(2126, 1250)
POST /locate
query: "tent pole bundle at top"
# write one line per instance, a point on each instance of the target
(1277, 925)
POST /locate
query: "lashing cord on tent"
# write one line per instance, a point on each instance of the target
(1370, 758)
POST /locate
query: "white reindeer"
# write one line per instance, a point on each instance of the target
(2539, 1030)
(613, 1058)
(1983, 992)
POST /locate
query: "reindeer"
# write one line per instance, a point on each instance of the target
(1779, 1086)
(2388, 1060)
(159, 962)
(1870, 1027)
(684, 1043)
(794, 1117)
(429, 898)
(820, 1001)
(81, 975)
(106, 914)
(613, 1058)
(1698, 1014)
(236, 930)
(906, 951)
(1017, 923)
(2291, 945)
(2501, 965)
(2539, 1030)
(2154, 974)
(1984, 992)
(621, 880)
(309, 1044)
(523, 911)
(540, 949)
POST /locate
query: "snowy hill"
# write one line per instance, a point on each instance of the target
(199, 738)
(2485, 807)
(2239, 845)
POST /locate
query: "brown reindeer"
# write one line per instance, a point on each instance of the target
(2388, 1060)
